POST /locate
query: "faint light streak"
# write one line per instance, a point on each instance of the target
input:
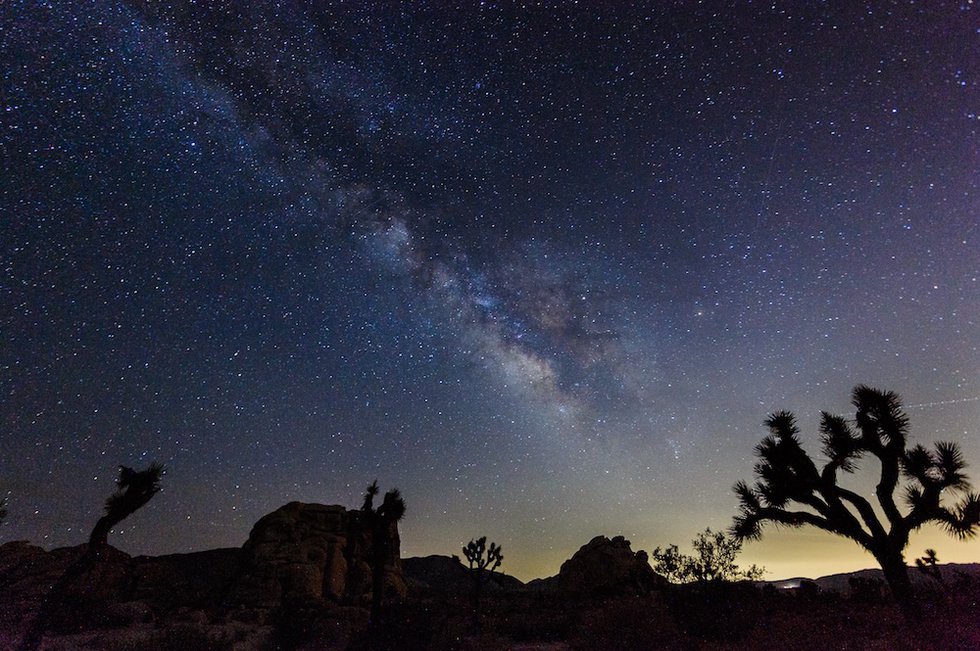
(940, 403)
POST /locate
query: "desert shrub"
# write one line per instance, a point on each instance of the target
(629, 623)
(715, 611)
(188, 637)
(542, 617)
(715, 553)
(302, 622)
(866, 590)
(430, 624)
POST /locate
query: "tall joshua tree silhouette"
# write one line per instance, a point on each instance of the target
(379, 522)
(483, 561)
(787, 475)
(134, 490)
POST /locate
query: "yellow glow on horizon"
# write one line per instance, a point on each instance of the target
(785, 554)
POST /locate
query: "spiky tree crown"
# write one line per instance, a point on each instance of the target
(392, 507)
(785, 474)
(134, 489)
(480, 557)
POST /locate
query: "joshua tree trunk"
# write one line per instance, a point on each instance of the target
(136, 488)
(99, 539)
(477, 591)
(897, 576)
(380, 557)
(382, 527)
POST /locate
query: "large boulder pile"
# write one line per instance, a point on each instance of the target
(302, 559)
(313, 552)
(606, 566)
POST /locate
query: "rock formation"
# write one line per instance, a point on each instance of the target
(604, 567)
(311, 551)
(307, 558)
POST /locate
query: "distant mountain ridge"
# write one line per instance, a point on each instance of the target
(603, 566)
(448, 574)
(303, 572)
(950, 572)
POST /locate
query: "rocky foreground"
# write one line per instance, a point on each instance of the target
(302, 577)
(302, 558)
(302, 581)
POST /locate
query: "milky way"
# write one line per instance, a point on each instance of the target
(546, 268)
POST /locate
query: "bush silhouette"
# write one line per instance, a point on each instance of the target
(713, 560)
(786, 475)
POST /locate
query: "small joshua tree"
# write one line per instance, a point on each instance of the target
(134, 490)
(929, 565)
(786, 475)
(379, 522)
(483, 561)
(713, 560)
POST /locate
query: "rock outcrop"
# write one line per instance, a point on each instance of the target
(307, 559)
(604, 567)
(313, 552)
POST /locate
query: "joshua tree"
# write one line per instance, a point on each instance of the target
(135, 489)
(929, 565)
(379, 522)
(483, 561)
(713, 560)
(787, 475)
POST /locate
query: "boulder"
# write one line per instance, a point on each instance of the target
(313, 552)
(196, 580)
(302, 555)
(606, 566)
(27, 574)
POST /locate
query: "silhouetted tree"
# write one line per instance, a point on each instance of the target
(929, 565)
(379, 522)
(713, 560)
(135, 489)
(483, 561)
(786, 475)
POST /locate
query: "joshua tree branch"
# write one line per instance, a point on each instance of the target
(832, 494)
(863, 507)
(882, 426)
(885, 491)
(793, 518)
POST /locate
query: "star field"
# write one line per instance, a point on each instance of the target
(545, 267)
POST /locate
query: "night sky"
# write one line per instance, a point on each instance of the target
(544, 267)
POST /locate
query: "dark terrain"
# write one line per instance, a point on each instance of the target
(301, 582)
